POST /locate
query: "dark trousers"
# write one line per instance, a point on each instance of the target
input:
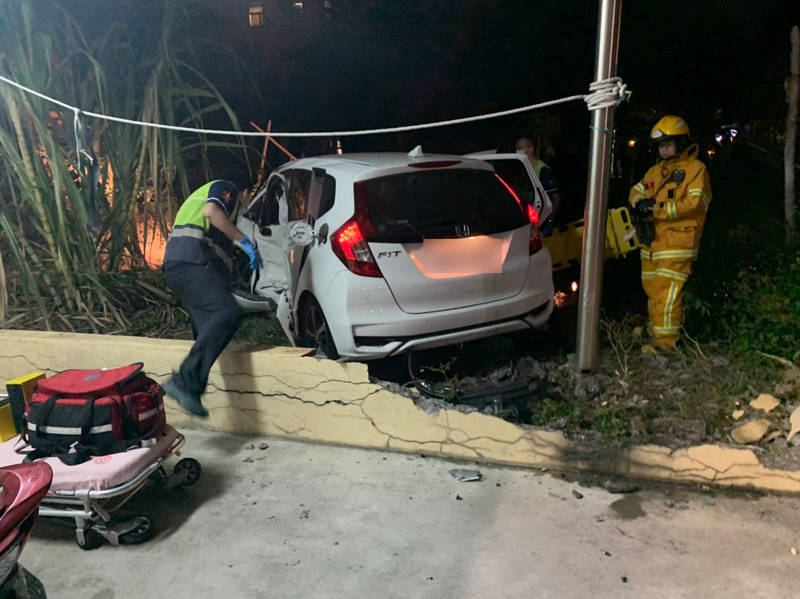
(206, 293)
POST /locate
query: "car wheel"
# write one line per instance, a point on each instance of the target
(316, 332)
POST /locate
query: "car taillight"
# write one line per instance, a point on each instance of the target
(535, 241)
(349, 242)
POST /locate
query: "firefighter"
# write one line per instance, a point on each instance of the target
(675, 194)
(198, 267)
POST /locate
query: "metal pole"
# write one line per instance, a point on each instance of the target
(594, 232)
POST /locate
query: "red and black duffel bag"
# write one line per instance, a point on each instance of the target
(80, 413)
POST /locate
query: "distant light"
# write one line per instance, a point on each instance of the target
(734, 132)
(710, 153)
(574, 286)
(631, 143)
(718, 138)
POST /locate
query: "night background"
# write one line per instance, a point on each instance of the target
(328, 65)
(360, 64)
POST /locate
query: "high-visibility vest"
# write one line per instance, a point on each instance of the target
(192, 235)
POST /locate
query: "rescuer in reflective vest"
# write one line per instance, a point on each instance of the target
(198, 267)
(676, 193)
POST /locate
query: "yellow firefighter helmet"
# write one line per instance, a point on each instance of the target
(669, 127)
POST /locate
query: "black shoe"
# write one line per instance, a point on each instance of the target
(187, 401)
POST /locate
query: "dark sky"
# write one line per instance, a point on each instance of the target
(385, 63)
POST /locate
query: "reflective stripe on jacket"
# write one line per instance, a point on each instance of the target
(681, 189)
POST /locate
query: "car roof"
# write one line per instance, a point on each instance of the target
(367, 164)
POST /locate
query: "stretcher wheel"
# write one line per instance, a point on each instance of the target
(142, 531)
(92, 540)
(192, 468)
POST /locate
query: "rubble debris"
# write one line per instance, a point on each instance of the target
(464, 475)
(737, 414)
(577, 494)
(751, 432)
(787, 391)
(765, 402)
(794, 421)
(620, 486)
(263, 445)
(666, 429)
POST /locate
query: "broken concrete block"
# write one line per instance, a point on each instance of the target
(765, 402)
(794, 421)
(772, 436)
(751, 432)
(737, 414)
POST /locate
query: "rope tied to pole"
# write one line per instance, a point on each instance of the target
(606, 93)
(603, 94)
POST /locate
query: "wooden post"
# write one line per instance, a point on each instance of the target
(790, 150)
(264, 154)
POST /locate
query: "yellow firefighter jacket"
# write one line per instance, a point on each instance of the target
(681, 189)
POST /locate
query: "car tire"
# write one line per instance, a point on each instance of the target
(315, 330)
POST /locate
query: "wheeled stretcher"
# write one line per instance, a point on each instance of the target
(91, 492)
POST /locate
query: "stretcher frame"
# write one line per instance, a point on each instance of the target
(92, 509)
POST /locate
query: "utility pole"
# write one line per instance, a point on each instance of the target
(594, 232)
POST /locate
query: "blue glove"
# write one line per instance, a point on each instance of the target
(252, 252)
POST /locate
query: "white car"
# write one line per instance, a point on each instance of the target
(370, 255)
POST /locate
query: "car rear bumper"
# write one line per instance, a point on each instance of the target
(372, 326)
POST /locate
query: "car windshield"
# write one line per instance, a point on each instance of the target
(442, 204)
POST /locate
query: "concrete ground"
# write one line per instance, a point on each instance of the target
(304, 520)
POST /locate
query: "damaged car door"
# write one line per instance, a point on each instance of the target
(266, 223)
(310, 194)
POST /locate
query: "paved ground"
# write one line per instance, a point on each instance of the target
(301, 521)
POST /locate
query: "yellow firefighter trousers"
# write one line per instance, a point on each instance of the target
(663, 281)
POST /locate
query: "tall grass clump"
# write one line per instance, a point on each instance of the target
(68, 224)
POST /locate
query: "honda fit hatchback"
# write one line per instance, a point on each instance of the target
(370, 255)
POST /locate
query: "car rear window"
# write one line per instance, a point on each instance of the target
(441, 204)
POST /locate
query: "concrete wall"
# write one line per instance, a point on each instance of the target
(282, 392)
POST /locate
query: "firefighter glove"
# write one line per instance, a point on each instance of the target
(252, 252)
(645, 206)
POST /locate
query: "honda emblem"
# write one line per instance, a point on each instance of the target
(462, 230)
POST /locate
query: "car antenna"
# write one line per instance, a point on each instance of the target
(416, 152)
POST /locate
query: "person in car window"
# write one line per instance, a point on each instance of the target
(526, 144)
(675, 193)
(198, 267)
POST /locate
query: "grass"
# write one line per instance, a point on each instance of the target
(64, 224)
(260, 329)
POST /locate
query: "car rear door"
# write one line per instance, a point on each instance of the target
(518, 172)
(447, 238)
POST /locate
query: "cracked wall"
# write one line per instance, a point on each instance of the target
(282, 392)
